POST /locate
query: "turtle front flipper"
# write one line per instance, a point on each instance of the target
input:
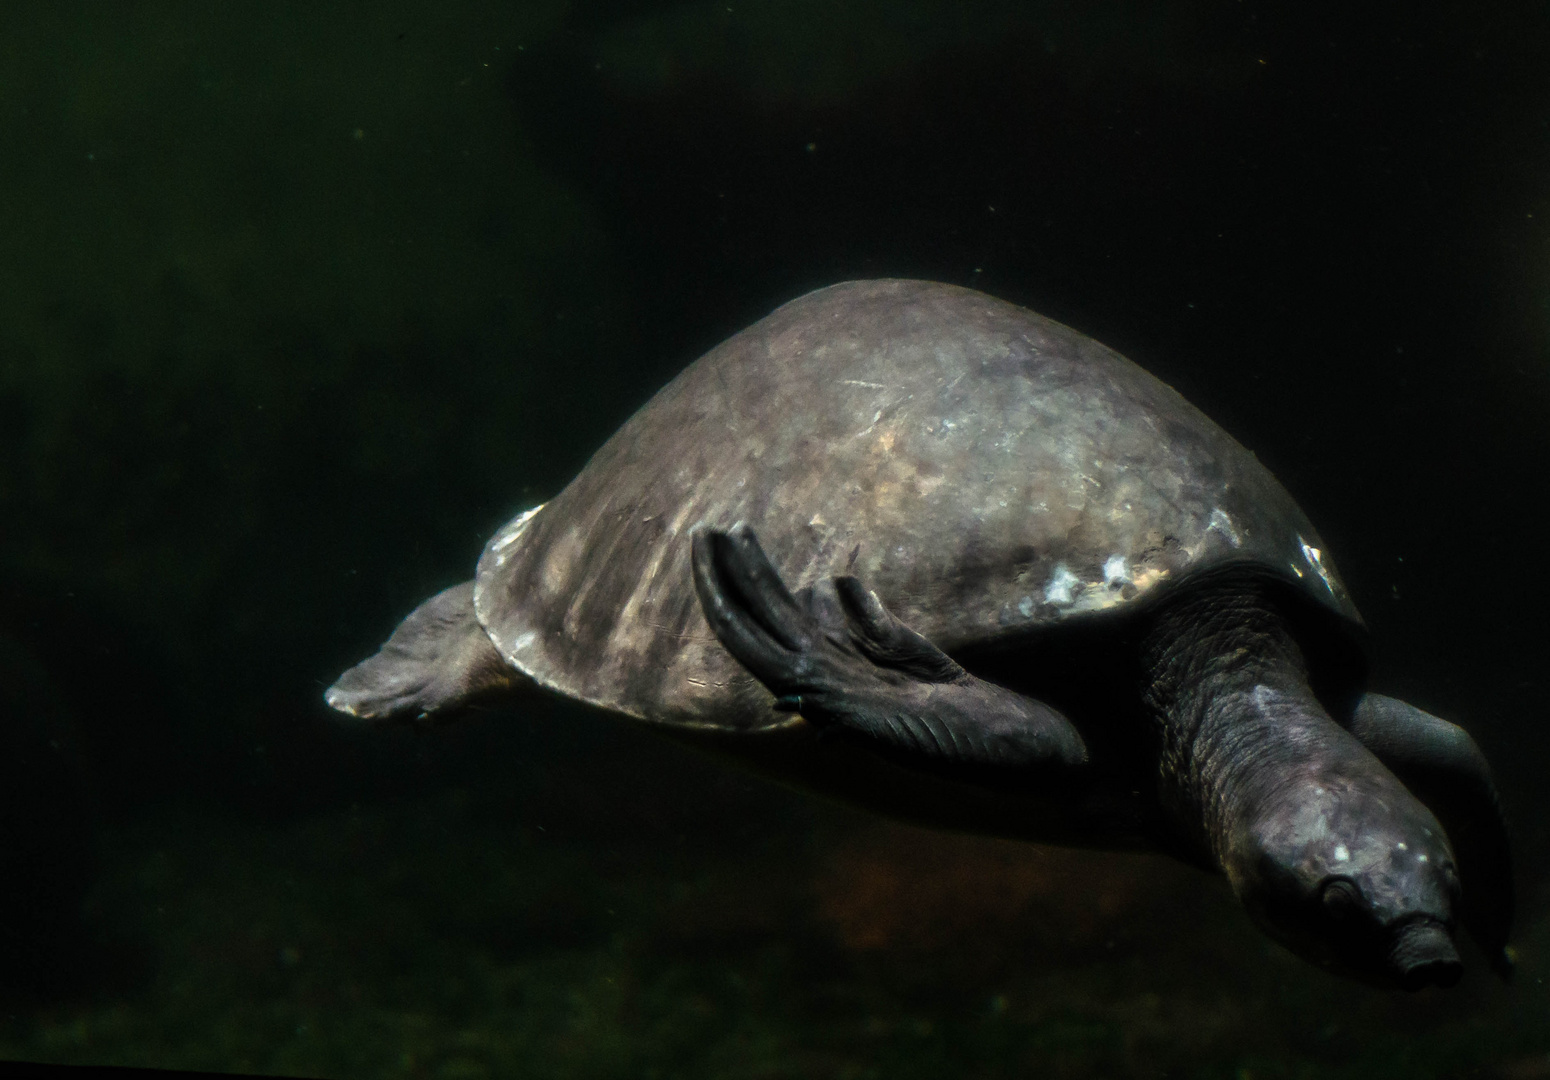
(438, 660)
(844, 662)
(1443, 767)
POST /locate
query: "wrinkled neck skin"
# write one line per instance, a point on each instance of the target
(1239, 730)
(1324, 847)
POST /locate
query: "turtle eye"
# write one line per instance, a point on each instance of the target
(1341, 898)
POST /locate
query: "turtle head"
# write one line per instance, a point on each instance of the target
(1350, 871)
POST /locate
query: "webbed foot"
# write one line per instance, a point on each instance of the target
(843, 661)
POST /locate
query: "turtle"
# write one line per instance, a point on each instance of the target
(925, 551)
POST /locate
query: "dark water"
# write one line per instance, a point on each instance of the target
(299, 302)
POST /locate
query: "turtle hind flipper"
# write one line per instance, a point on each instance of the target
(437, 660)
(843, 661)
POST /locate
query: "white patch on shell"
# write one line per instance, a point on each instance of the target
(1025, 605)
(1342, 853)
(1058, 591)
(1315, 559)
(878, 415)
(1115, 572)
(509, 534)
(1222, 523)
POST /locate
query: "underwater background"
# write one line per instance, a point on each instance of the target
(300, 302)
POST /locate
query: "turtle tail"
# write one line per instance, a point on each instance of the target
(438, 660)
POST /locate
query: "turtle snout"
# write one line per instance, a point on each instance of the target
(1422, 954)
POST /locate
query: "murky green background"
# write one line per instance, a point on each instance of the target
(298, 302)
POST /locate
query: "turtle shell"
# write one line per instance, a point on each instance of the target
(989, 472)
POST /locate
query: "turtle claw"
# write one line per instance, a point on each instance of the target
(765, 625)
(807, 645)
(886, 640)
(747, 605)
(744, 571)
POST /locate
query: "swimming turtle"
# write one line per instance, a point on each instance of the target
(927, 551)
